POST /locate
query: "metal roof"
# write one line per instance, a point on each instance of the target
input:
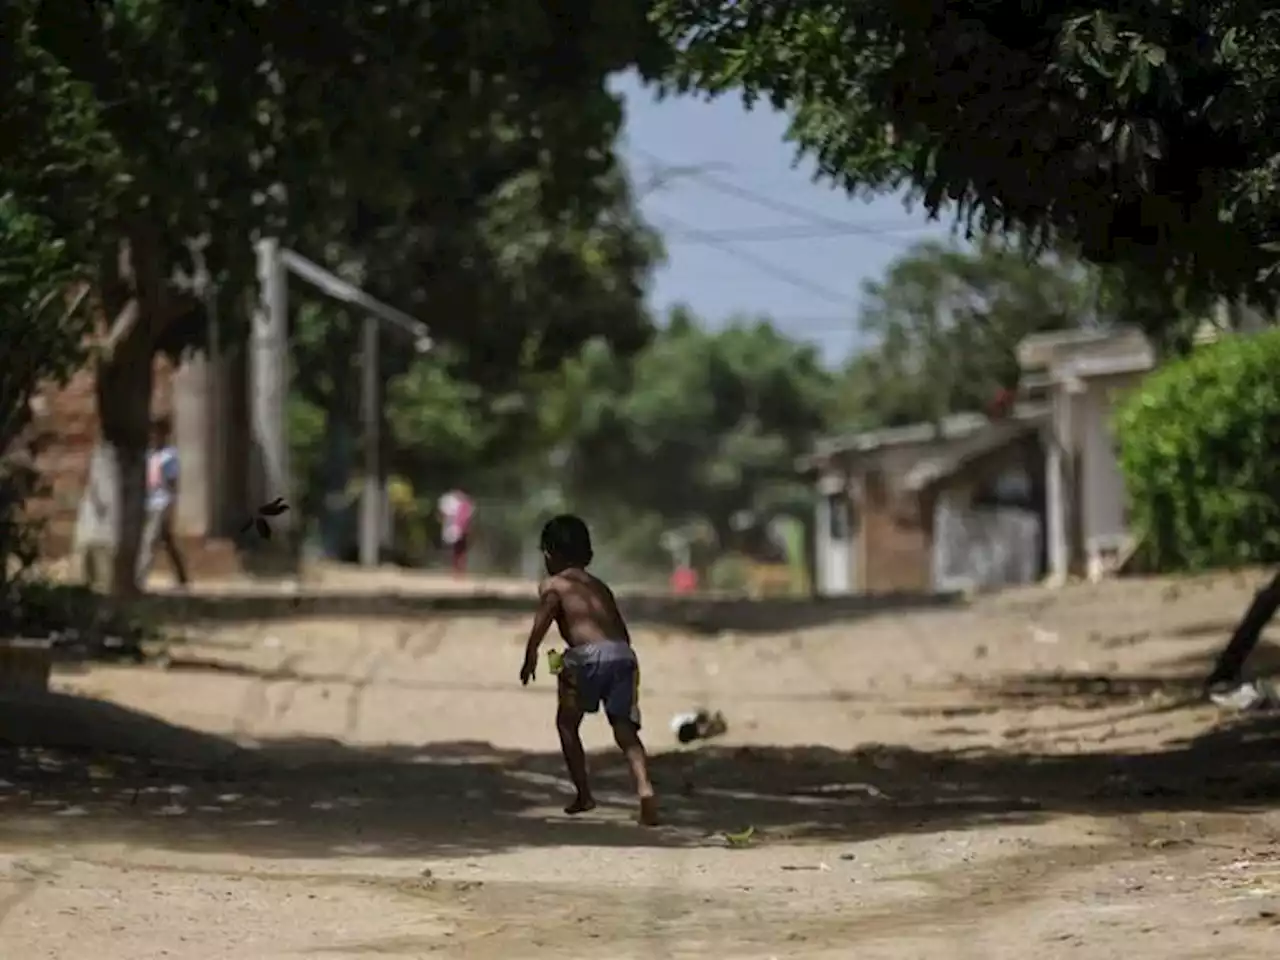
(957, 426)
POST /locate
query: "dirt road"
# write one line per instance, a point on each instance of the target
(950, 784)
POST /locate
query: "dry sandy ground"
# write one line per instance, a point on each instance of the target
(949, 784)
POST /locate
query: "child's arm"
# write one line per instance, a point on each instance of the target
(548, 610)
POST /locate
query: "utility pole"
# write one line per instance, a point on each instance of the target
(371, 498)
(268, 386)
(269, 378)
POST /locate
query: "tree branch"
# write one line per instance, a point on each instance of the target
(123, 325)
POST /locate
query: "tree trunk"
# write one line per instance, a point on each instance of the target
(1231, 661)
(131, 287)
(124, 409)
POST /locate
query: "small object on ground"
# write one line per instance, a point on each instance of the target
(698, 725)
(740, 840)
(555, 662)
(1249, 695)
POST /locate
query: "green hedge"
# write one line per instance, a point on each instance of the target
(1200, 451)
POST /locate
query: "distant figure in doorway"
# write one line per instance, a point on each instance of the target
(456, 510)
(162, 498)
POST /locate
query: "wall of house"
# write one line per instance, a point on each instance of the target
(1103, 510)
(982, 536)
(835, 535)
(1066, 435)
(895, 535)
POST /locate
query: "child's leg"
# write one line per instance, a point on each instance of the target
(627, 736)
(568, 726)
(622, 707)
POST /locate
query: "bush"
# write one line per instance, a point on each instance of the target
(75, 618)
(41, 340)
(1198, 449)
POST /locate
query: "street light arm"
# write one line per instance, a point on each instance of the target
(340, 289)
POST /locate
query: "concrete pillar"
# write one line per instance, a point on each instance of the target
(193, 418)
(1056, 491)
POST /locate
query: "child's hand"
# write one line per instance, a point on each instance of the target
(527, 671)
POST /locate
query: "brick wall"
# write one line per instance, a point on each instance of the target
(896, 535)
(67, 418)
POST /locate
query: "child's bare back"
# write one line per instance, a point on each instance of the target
(587, 611)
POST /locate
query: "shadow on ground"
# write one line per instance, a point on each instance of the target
(1173, 685)
(72, 765)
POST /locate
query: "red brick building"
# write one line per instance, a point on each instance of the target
(930, 507)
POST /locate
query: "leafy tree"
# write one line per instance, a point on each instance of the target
(946, 323)
(42, 327)
(1146, 133)
(150, 125)
(702, 425)
(527, 290)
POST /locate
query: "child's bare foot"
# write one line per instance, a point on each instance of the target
(580, 805)
(648, 812)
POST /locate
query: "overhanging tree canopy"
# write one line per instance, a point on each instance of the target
(148, 124)
(1146, 132)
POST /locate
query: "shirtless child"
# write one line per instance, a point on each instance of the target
(600, 665)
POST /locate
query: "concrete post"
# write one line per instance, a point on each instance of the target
(192, 418)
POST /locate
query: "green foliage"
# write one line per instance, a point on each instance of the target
(701, 426)
(1198, 445)
(946, 323)
(1145, 133)
(76, 617)
(529, 290)
(41, 333)
(456, 156)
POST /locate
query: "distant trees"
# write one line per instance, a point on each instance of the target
(945, 324)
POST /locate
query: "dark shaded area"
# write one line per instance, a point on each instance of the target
(76, 623)
(76, 764)
(1171, 685)
(697, 615)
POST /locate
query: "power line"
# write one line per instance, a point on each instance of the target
(714, 182)
(782, 234)
(764, 265)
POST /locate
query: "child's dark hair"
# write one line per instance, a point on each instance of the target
(567, 538)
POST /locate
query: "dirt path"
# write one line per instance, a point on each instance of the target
(938, 785)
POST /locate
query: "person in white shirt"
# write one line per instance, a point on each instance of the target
(162, 496)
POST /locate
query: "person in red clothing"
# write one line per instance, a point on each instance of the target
(456, 510)
(684, 580)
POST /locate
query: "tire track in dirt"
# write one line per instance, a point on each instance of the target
(433, 637)
(664, 902)
(360, 684)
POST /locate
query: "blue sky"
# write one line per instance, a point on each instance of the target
(746, 230)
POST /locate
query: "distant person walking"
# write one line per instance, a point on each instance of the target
(456, 510)
(162, 497)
